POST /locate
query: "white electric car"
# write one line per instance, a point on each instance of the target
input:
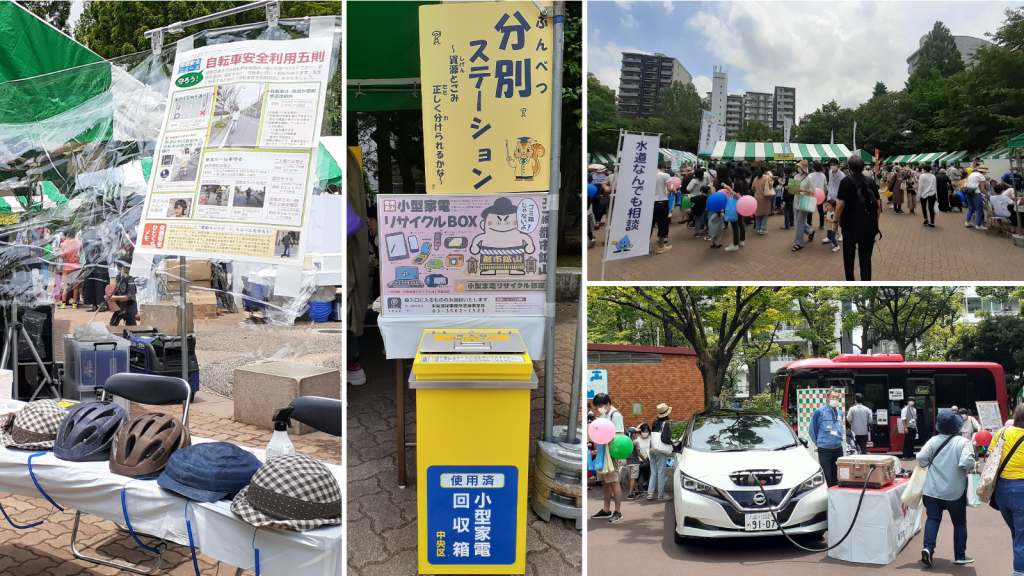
(725, 455)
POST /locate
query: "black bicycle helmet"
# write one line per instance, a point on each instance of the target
(87, 433)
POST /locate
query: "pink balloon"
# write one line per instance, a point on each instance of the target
(746, 206)
(819, 196)
(676, 182)
(602, 431)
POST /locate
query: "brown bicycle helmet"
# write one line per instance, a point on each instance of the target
(143, 445)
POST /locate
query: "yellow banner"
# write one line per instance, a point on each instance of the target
(8, 218)
(783, 156)
(486, 73)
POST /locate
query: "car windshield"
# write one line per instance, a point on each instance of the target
(732, 432)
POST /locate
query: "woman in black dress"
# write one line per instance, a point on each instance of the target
(943, 185)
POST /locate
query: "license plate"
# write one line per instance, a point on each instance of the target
(758, 522)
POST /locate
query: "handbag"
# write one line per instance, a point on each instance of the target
(769, 190)
(915, 488)
(972, 489)
(807, 204)
(993, 469)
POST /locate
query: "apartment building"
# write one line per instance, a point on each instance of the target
(783, 106)
(642, 76)
(733, 115)
(757, 107)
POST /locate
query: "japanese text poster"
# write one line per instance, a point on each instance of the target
(463, 254)
(233, 171)
(486, 72)
(471, 514)
(633, 208)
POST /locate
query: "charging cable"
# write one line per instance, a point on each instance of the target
(778, 524)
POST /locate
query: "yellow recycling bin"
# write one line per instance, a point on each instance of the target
(472, 450)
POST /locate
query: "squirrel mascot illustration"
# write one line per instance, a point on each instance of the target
(525, 159)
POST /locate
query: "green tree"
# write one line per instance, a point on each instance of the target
(54, 12)
(822, 123)
(818, 307)
(904, 314)
(938, 57)
(883, 122)
(609, 323)
(1011, 34)
(603, 119)
(755, 131)
(715, 320)
(678, 102)
(880, 89)
(997, 339)
(572, 125)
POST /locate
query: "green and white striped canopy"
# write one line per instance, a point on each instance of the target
(867, 157)
(751, 151)
(929, 157)
(600, 158)
(667, 153)
(998, 154)
(889, 160)
(953, 157)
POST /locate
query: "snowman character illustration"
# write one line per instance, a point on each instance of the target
(501, 246)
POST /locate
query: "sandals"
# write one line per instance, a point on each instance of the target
(797, 248)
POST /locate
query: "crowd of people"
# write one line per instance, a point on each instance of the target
(849, 199)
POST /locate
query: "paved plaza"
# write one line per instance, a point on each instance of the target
(908, 250)
(382, 537)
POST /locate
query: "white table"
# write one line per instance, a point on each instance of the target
(883, 527)
(402, 334)
(93, 489)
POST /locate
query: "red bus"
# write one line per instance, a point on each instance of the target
(886, 381)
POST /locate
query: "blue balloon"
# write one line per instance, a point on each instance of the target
(591, 190)
(717, 202)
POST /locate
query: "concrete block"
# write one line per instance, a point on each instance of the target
(167, 317)
(260, 389)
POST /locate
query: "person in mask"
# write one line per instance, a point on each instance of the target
(826, 432)
(835, 176)
(661, 450)
(909, 416)
(640, 460)
(802, 185)
(610, 480)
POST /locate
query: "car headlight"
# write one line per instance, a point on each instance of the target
(811, 483)
(698, 487)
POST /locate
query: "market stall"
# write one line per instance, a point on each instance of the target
(751, 151)
(602, 158)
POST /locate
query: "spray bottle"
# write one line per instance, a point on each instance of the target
(279, 444)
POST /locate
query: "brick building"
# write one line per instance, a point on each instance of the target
(641, 377)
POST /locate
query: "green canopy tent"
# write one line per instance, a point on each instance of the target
(31, 47)
(384, 56)
(864, 155)
(327, 169)
(930, 157)
(602, 158)
(754, 151)
(953, 157)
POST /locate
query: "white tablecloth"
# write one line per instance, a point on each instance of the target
(92, 488)
(402, 335)
(883, 527)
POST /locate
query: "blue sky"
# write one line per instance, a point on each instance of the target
(826, 50)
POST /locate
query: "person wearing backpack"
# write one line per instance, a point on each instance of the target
(610, 480)
(661, 449)
(1009, 491)
(949, 458)
(858, 210)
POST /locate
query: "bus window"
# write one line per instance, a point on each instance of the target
(799, 381)
(875, 388)
(981, 387)
(778, 388)
(951, 390)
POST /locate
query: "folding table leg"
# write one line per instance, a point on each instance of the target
(400, 415)
(74, 550)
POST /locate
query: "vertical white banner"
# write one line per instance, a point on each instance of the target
(855, 135)
(677, 160)
(788, 122)
(629, 233)
(708, 133)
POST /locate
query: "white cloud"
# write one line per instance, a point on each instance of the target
(629, 22)
(624, 4)
(835, 54)
(669, 6)
(702, 84)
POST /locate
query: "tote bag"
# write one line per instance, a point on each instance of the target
(915, 488)
(807, 204)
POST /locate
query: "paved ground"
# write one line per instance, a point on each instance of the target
(644, 539)
(46, 550)
(382, 534)
(908, 251)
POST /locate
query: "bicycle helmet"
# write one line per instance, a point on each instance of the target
(143, 445)
(87, 433)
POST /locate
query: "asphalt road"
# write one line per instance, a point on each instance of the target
(244, 134)
(254, 201)
(642, 543)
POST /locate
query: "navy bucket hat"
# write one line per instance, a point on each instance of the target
(209, 472)
(949, 422)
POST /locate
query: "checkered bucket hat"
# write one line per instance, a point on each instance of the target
(291, 493)
(34, 427)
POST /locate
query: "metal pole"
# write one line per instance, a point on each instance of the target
(577, 373)
(178, 27)
(184, 323)
(553, 185)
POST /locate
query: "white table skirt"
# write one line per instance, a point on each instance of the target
(402, 335)
(883, 527)
(93, 489)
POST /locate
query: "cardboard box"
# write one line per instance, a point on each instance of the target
(174, 286)
(204, 303)
(195, 269)
(167, 317)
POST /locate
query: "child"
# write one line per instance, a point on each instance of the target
(698, 213)
(716, 225)
(830, 216)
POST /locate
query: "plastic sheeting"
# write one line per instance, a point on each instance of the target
(883, 527)
(76, 148)
(219, 534)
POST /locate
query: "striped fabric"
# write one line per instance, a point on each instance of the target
(599, 158)
(1000, 154)
(752, 151)
(954, 157)
(888, 161)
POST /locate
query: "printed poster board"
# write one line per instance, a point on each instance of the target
(486, 73)
(472, 514)
(629, 232)
(234, 167)
(989, 416)
(597, 382)
(463, 254)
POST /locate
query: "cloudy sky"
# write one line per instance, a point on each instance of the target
(834, 50)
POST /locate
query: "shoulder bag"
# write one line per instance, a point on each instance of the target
(993, 469)
(769, 190)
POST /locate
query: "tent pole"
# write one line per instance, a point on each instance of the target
(553, 186)
(184, 319)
